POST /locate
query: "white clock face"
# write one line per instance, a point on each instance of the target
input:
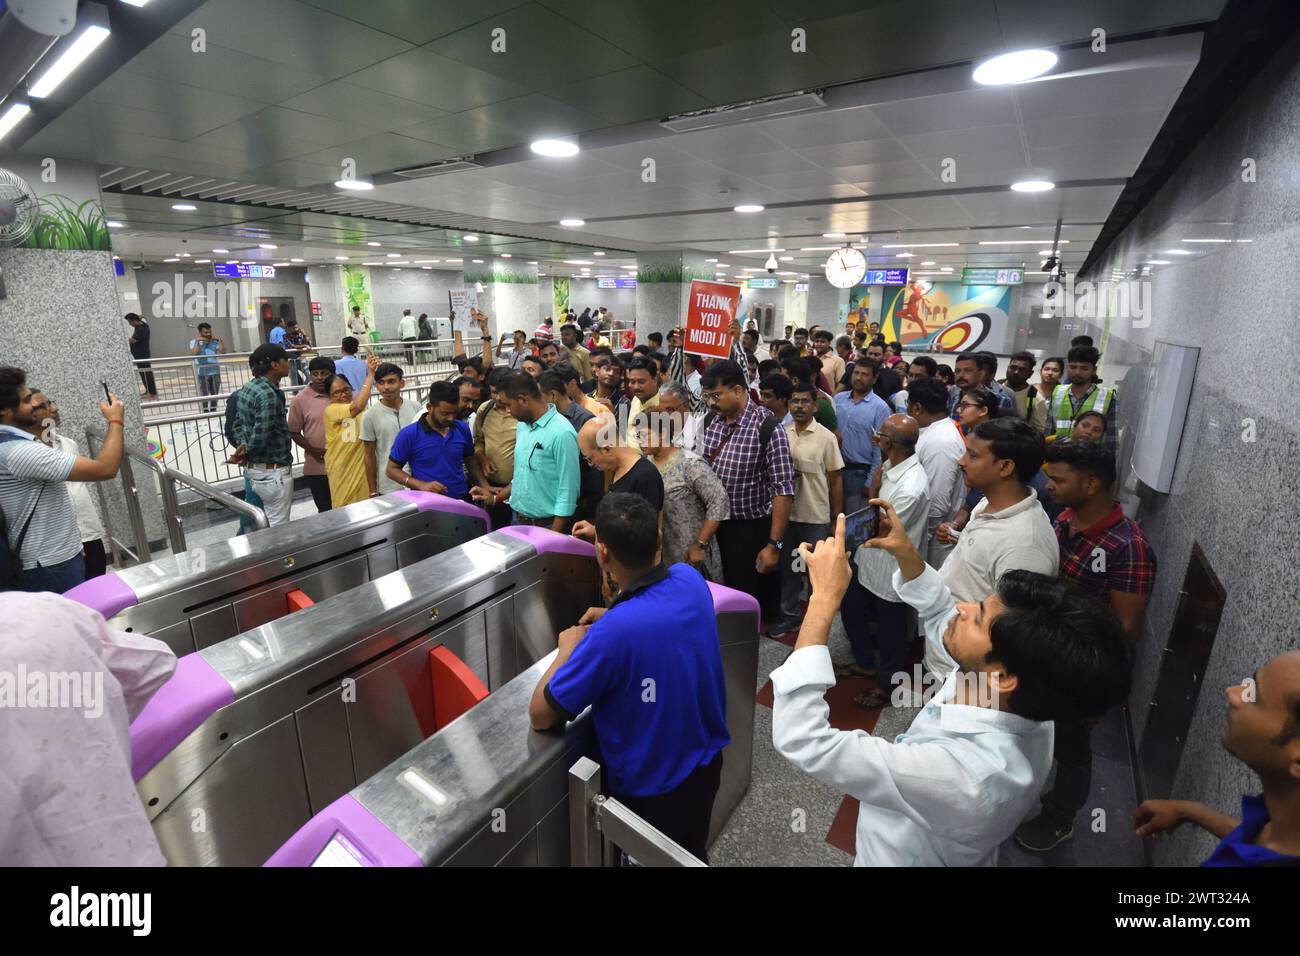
(845, 267)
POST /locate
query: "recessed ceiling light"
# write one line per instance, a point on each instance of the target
(420, 262)
(341, 258)
(477, 262)
(232, 262)
(601, 253)
(113, 224)
(279, 265)
(1014, 67)
(577, 262)
(184, 206)
(250, 262)
(470, 237)
(455, 260)
(360, 185)
(221, 251)
(573, 223)
(946, 269)
(749, 207)
(903, 255)
(374, 243)
(12, 117)
(1157, 262)
(1032, 186)
(533, 263)
(833, 235)
(1017, 242)
(710, 260)
(743, 252)
(1179, 252)
(818, 248)
(723, 265)
(554, 148)
(393, 255)
(426, 267)
(372, 263)
(928, 262)
(506, 255)
(1214, 240)
(171, 260)
(267, 245)
(787, 258)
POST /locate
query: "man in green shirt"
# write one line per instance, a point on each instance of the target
(544, 488)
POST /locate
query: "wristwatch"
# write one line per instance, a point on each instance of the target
(702, 545)
(779, 545)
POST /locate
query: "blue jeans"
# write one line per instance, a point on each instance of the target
(55, 578)
(857, 478)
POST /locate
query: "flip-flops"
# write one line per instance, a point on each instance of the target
(854, 671)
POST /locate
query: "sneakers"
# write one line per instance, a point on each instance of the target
(1042, 833)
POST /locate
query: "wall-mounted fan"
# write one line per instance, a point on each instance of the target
(19, 209)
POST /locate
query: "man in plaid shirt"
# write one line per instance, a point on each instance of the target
(261, 432)
(1107, 555)
(750, 453)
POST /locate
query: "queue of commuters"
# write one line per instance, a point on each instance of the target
(979, 510)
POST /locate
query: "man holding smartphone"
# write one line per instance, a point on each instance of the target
(871, 595)
(207, 368)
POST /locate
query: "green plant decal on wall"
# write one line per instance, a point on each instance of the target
(560, 294)
(64, 224)
(670, 273)
(501, 275)
(356, 289)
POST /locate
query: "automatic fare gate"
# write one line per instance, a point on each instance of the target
(253, 735)
(487, 790)
(208, 594)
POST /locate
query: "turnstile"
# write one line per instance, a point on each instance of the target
(487, 790)
(208, 594)
(253, 735)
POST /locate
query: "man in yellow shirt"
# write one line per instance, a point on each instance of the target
(494, 442)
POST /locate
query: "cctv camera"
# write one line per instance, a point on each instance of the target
(770, 265)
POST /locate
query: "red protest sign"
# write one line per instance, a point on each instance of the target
(709, 313)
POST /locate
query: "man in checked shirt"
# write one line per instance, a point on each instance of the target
(1107, 555)
(749, 452)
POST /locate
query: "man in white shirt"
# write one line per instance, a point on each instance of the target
(955, 785)
(941, 448)
(83, 505)
(380, 424)
(1009, 528)
(407, 330)
(871, 597)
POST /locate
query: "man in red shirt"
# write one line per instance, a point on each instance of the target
(1105, 553)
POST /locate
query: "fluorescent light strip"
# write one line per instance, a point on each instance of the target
(1019, 242)
(72, 58)
(12, 117)
(921, 245)
(743, 252)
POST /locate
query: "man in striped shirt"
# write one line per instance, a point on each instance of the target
(40, 521)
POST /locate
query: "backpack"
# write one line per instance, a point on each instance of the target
(11, 562)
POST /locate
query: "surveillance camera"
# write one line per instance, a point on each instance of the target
(771, 264)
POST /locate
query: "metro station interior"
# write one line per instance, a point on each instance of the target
(353, 687)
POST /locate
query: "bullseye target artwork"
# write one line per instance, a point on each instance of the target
(947, 317)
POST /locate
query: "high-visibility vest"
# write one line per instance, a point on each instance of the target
(1066, 413)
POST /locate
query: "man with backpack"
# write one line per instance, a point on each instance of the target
(751, 455)
(42, 549)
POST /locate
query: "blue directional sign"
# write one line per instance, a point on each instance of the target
(885, 277)
(235, 270)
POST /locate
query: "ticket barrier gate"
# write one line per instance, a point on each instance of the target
(201, 597)
(253, 735)
(487, 790)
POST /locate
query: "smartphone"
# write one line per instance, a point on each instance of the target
(107, 397)
(859, 528)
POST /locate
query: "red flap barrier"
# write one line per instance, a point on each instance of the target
(297, 600)
(456, 688)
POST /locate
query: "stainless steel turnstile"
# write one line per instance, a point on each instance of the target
(208, 594)
(487, 790)
(253, 735)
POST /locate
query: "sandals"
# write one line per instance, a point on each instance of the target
(872, 700)
(854, 671)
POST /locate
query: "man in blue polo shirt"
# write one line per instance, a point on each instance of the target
(657, 693)
(438, 446)
(859, 413)
(1263, 732)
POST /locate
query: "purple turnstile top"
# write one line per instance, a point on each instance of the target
(547, 541)
(345, 816)
(729, 600)
(108, 594)
(428, 501)
(194, 693)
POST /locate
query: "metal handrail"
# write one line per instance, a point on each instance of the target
(130, 488)
(188, 359)
(418, 377)
(598, 824)
(237, 505)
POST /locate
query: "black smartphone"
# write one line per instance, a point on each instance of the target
(859, 528)
(107, 397)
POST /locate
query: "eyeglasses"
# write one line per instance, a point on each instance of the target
(969, 405)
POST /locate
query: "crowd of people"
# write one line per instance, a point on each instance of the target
(832, 479)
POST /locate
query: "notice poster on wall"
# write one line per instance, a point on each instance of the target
(709, 313)
(461, 301)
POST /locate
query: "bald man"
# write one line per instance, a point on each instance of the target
(599, 444)
(1262, 730)
(871, 595)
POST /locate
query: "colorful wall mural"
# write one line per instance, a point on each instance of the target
(946, 316)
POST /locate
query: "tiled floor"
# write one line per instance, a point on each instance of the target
(789, 819)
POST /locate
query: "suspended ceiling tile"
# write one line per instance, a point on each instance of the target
(362, 109)
(292, 33)
(425, 77)
(842, 155)
(964, 109)
(220, 69)
(503, 124)
(628, 96)
(1024, 23)
(805, 130)
(1112, 94)
(415, 22)
(200, 109)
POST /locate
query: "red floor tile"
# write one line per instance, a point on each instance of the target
(843, 832)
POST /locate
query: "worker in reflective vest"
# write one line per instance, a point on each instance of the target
(1083, 394)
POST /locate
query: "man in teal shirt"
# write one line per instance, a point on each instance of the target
(544, 488)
